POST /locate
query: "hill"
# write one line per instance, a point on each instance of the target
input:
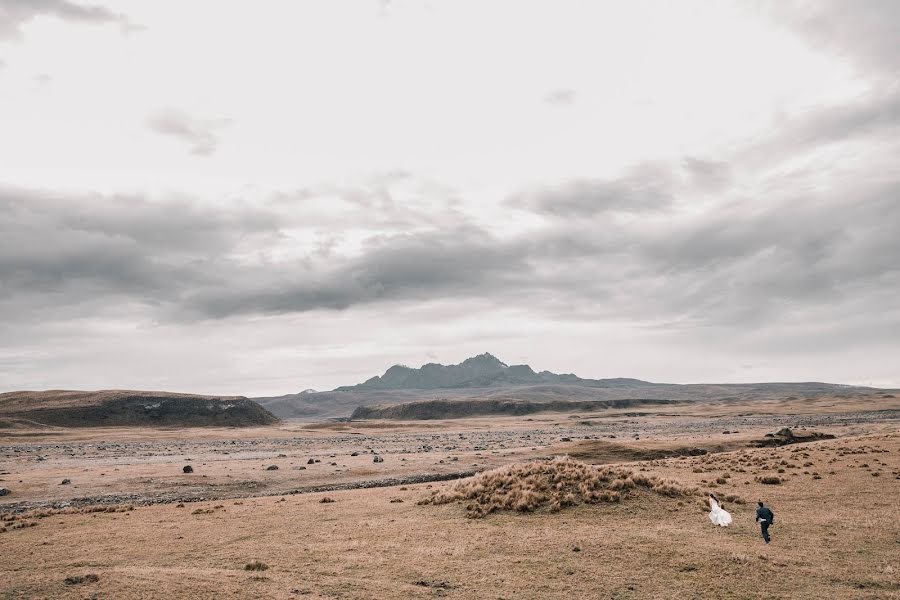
(64, 408)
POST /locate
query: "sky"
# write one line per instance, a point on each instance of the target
(260, 198)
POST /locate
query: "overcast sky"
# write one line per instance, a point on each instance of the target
(258, 198)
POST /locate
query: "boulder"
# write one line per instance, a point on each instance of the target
(272, 468)
(377, 459)
(187, 469)
(4, 491)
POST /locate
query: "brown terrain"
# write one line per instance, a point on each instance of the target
(390, 508)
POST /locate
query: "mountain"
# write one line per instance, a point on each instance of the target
(487, 378)
(108, 408)
(482, 371)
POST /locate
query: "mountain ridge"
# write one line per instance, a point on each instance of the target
(486, 377)
(481, 371)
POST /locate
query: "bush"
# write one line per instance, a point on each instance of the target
(256, 566)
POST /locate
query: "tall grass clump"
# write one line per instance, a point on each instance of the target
(554, 484)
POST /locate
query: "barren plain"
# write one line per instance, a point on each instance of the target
(255, 517)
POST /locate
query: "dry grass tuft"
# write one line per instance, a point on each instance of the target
(256, 566)
(769, 480)
(555, 484)
(78, 579)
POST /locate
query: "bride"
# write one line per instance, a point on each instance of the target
(719, 516)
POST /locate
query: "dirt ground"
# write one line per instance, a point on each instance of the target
(837, 531)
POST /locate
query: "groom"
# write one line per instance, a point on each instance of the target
(764, 517)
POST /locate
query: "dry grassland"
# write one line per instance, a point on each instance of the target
(837, 535)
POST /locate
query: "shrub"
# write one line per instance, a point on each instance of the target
(256, 566)
(769, 480)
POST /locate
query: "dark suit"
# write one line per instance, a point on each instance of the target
(765, 517)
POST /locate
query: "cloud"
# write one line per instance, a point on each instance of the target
(870, 119)
(62, 250)
(866, 32)
(15, 13)
(707, 175)
(454, 263)
(199, 134)
(561, 97)
(645, 188)
(59, 251)
(737, 264)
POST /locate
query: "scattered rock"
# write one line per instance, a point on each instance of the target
(272, 468)
(4, 491)
(354, 454)
(565, 439)
(188, 469)
(65, 482)
(377, 459)
(785, 436)
(311, 462)
(784, 432)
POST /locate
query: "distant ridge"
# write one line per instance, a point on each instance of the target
(129, 408)
(455, 409)
(482, 371)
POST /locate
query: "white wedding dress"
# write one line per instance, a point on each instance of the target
(719, 516)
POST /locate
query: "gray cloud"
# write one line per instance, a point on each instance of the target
(644, 188)
(728, 267)
(15, 13)
(866, 31)
(707, 175)
(871, 118)
(57, 251)
(455, 263)
(199, 134)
